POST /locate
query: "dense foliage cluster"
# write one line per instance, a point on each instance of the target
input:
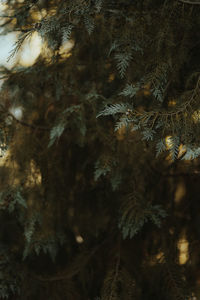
(99, 174)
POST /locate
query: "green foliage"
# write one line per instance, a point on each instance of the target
(19, 43)
(130, 90)
(67, 30)
(160, 147)
(113, 109)
(148, 134)
(49, 245)
(174, 147)
(124, 121)
(29, 232)
(123, 61)
(89, 24)
(12, 197)
(100, 170)
(56, 132)
(115, 113)
(135, 214)
(191, 153)
(116, 180)
(63, 121)
(159, 79)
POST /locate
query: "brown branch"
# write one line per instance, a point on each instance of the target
(73, 270)
(4, 77)
(190, 2)
(23, 123)
(195, 173)
(32, 126)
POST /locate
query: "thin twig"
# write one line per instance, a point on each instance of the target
(190, 2)
(32, 126)
(4, 77)
(71, 272)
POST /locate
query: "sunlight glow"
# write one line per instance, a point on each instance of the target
(180, 192)
(172, 102)
(34, 177)
(79, 239)
(6, 46)
(111, 77)
(17, 112)
(168, 141)
(183, 251)
(196, 116)
(31, 50)
(169, 145)
(3, 6)
(66, 48)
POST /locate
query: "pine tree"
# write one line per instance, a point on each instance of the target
(99, 143)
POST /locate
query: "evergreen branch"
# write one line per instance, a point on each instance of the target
(135, 214)
(123, 60)
(19, 43)
(153, 115)
(150, 117)
(113, 109)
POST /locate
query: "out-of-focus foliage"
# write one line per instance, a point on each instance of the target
(99, 167)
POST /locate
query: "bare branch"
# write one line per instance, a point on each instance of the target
(190, 2)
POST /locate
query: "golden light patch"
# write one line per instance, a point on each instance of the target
(180, 192)
(121, 133)
(3, 6)
(155, 259)
(79, 239)
(34, 177)
(147, 92)
(34, 116)
(159, 256)
(196, 116)
(168, 142)
(4, 157)
(169, 146)
(172, 103)
(183, 246)
(147, 89)
(147, 86)
(14, 21)
(36, 16)
(66, 55)
(168, 158)
(66, 48)
(31, 49)
(182, 150)
(107, 66)
(111, 77)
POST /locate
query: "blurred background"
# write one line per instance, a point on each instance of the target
(27, 54)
